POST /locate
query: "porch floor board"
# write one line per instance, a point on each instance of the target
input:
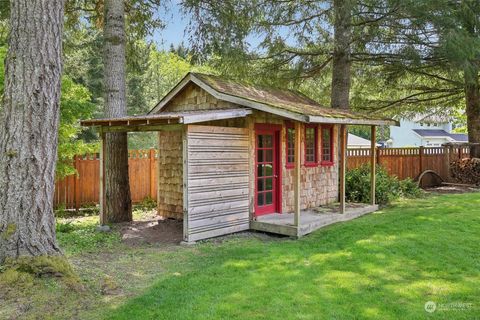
(310, 220)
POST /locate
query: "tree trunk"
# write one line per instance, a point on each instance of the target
(118, 204)
(29, 129)
(472, 97)
(341, 54)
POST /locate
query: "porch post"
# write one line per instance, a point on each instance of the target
(372, 163)
(102, 178)
(297, 180)
(343, 165)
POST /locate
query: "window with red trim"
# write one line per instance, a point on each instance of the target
(290, 145)
(311, 145)
(327, 145)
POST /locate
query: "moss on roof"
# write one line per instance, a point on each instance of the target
(284, 99)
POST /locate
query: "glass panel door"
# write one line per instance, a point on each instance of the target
(266, 176)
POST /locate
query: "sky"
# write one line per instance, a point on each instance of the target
(176, 23)
(174, 31)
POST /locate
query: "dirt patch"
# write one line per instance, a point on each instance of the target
(155, 232)
(452, 189)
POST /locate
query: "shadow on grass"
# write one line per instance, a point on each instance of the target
(385, 265)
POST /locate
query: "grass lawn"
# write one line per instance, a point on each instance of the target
(385, 265)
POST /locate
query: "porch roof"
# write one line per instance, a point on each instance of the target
(166, 118)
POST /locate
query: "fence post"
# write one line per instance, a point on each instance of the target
(460, 153)
(76, 188)
(152, 173)
(373, 150)
(448, 152)
(420, 158)
(102, 199)
(378, 151)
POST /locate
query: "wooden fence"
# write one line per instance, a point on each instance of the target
(409, 162)
(81, 190)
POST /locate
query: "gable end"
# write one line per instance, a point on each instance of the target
(193, 98)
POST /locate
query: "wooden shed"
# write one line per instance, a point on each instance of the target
(227, 157)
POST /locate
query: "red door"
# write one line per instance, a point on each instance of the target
(267, 178)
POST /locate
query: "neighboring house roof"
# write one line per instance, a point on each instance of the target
(357, 141)
(441, 133)
(282, 102)
(459, 137)
(432, 132)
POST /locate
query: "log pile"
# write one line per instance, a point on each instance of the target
(466, 171)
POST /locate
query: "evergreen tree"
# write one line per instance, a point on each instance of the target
(430, 58)
(298, 40)
(29, 129)
(118, 203)
(137, 68)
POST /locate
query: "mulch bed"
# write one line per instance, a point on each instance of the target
(452, 189)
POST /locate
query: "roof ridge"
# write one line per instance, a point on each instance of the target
(256, 85)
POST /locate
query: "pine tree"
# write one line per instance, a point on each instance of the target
(118, 204)
(29, 129)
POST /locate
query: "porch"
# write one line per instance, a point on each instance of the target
(311, 219)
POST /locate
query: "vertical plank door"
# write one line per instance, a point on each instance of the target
(216, 182)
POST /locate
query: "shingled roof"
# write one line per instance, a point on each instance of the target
(459, 137)
(287, 103)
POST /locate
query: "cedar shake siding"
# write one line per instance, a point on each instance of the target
(193, 98)
(170, 174)
(319, 184)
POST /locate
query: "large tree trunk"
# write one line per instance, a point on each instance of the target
(472, 97)
(29, 128)
(118, 204)
(341, 54)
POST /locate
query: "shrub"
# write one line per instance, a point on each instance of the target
(88, 209)
(410, 188)
(65, 227)
(148, 203)
(388, 188)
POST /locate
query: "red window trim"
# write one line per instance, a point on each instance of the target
(332, 154)
(288, 125)
(311, 163)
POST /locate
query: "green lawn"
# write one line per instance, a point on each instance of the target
(386, 265)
